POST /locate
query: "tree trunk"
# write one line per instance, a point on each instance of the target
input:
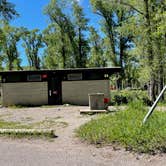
(79, 63)
(151, 88)
(63, 51)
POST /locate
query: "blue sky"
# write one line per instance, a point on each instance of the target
(31, 13)
(31, 17)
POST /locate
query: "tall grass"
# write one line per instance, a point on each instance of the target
(125, 128)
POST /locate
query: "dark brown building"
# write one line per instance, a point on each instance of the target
(54, 86)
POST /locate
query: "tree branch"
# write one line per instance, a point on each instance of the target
(131, 6)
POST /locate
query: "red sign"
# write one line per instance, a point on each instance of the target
(44, 76)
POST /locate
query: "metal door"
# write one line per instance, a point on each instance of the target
(54, 91)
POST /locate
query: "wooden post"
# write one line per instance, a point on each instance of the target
(154, 105)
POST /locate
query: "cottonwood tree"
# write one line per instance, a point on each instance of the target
(7, 13)
(58, 48)
(71, 46)
(7, 10)
(61, 31)
(146, 22)
(81, 26)
(116, 43)
(10, 53)
(32, 42)
(96, 57)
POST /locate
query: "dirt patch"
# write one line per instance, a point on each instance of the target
(66, 149)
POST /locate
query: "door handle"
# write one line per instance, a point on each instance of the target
(49, 92)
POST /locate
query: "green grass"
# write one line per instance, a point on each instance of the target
(18, 125)
(34, 134)
(125, 128)
(49, 123)
(12, 125)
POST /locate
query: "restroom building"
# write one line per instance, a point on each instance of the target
(54, 87)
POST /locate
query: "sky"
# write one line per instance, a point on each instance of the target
(32, 17)
(31, 13)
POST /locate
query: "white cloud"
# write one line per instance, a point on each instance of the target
(79, 1)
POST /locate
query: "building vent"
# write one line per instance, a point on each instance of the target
(74, 76)
(34, 77)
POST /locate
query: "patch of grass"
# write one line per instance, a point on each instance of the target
(49, 123)
(48, 106)
(12, 125)
(5, 115)
(17, 106)
(24, 134)
(27, 119)
(53, 118)
(18, 125)
(63, 124)
(125, 128)
(162, 103)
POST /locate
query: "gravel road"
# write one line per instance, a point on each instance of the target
(66, 149)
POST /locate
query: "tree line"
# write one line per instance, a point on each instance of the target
(133, 36)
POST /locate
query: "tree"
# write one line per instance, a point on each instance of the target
(96, 57)
(9, 50)
(116, 43)
(7, 10)
(72, 46)
(80, 28)
(58, 48)
(145, 24)
(62, 33)
(32, 42)
(2, 41)
(7, 13)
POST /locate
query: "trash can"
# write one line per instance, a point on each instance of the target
(96, 101)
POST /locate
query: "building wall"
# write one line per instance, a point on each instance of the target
(76, 92)
(31, 93)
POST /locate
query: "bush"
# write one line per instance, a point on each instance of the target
(127, 96)
(125, 128)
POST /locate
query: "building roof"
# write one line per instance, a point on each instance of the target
(107, 70)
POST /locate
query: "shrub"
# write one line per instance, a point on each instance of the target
(127, 96)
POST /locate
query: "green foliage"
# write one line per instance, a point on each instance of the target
(66, 44)
(116, 44)
(59, 37)
(128, 96)
(81, 26)
(32, 43)
(7, 10)
(10, 54)
(132, 36)
(125, 128)
(144, 25)
(35, 134)
(12, 125)
(96, 58)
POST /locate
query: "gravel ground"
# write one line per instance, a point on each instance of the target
(66, 149)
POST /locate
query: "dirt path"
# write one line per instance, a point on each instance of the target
(66, 149)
